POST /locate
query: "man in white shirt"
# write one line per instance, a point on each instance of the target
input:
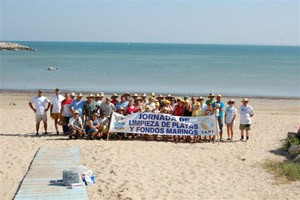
(55, 108)
(246, 113)
(75, 126)
(40, 109)
(107, 107)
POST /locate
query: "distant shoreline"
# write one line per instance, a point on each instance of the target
(109, 93)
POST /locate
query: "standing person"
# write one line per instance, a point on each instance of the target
(168, 107)
(66, 112)
(90, 107)
(151, 103)
(210, 111)
(98, 99)
(230, 114)
(73, 95)
(144, 100)
(75, 126)
(221, 107)
(78, 104)
(246, 112)
(55, 108)
(114, 99)
(131, 107)
(107, 107)
(210, 99)
(156, 109)
(40, 110)
(203, 106)
(160, 99)
(123, 103)
(187, 109)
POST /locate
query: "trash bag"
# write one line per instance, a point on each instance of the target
(80, 174)
(71, 176)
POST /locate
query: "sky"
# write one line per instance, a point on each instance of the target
(271, 22)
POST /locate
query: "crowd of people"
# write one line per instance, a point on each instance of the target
(90, 118)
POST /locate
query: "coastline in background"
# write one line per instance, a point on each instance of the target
(233, 70)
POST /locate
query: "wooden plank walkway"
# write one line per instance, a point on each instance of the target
(49, 164)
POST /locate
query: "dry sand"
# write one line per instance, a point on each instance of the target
(159, 170)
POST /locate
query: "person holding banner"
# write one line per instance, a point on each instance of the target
(210, 111)
(103, 125)
(160, 99)
(156, 109)
(168, 107)
(151, 103)
(246, 113)
(123, 103)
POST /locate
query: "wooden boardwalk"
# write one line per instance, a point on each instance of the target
(49, 164)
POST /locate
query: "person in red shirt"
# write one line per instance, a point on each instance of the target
(114, 99)
(179, 109)
(131, 107)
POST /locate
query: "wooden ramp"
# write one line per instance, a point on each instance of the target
(49, 164)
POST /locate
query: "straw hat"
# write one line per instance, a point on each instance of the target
(138, 98)
(169, 96)
(245, 100)
(200, 98)
(198, 104)
(147, 107)
(231, 100)
(151, 98)
(101, 94)
(121, 108)
(167, 102)
(157, 104)
(91, 96)
(135, 95)
(165, 109)
(79, 94)
(219, 96)
(73, 94)
(75, 112)
(114, 95)
(98, 95)
(211, 95)
(152, 94)
(95, 115)
(144, 95)
(187, 101)
(160, 96)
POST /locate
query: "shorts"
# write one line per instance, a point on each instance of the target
(245, 127)
(56, 116)
(40, 117)
(89, 131)
(72, 131)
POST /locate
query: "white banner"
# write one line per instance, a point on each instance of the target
(163, 124)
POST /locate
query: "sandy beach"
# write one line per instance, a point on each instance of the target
(134, 169)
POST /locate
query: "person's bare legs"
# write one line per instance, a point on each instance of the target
(37, 127)
(56, 125)
(231, 132)
(247, 135)
(242, 135)
(228, 131)
(45, 127)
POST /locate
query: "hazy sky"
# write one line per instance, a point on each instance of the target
(164, 21)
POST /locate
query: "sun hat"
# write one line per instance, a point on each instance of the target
(167, 102)
(114, 95)
(160, 96)
(40, 91)
(97, 95)
(79, 94)
(144, 95)
(179, 99)
(75, 112)
(121, 108)
(147, 107)
(91, 96)
(101, 94)
(211, 95)
(245, 100)
(135, 95)
(151, 98)
(73, 94)
(157, 104)
(95, 115)
(187, 101)
(152, 94)
(230, 101)
(138, 98)
(127, 94)
(165, 109)
(169, 96)
(198, 104)
(219, 96)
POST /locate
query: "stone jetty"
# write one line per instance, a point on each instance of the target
(9, 46)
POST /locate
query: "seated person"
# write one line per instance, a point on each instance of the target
(92, 126)
(75, 126)
(103, 125)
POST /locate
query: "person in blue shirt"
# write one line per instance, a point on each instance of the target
(77, 104)
(123, 103)
(221, 107)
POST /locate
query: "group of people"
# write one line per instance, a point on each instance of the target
(91, 117)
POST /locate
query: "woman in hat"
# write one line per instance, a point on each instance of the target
(160, 99)
(92, 126)
(157, 108)
(168, 107)
(230, 114)
(131, 107)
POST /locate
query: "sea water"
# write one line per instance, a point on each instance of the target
(245, 70)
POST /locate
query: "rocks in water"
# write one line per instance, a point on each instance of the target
(9, 46)
(294, 150)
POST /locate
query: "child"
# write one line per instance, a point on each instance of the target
(230, 114)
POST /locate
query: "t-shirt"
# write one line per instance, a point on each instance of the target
(90, 108)
(56, 103)
(120, 104)
(75, 122)
(245, 112)
(66, 105)
(77, 105)
(179, 110)
(114, 101)
(209, 101)
(40, 104)
(151, 105)
(107, 108)
(130, 110)
(221, 105)
(230, 113)
(103, 121)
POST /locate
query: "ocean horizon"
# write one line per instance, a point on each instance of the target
(232, 70)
